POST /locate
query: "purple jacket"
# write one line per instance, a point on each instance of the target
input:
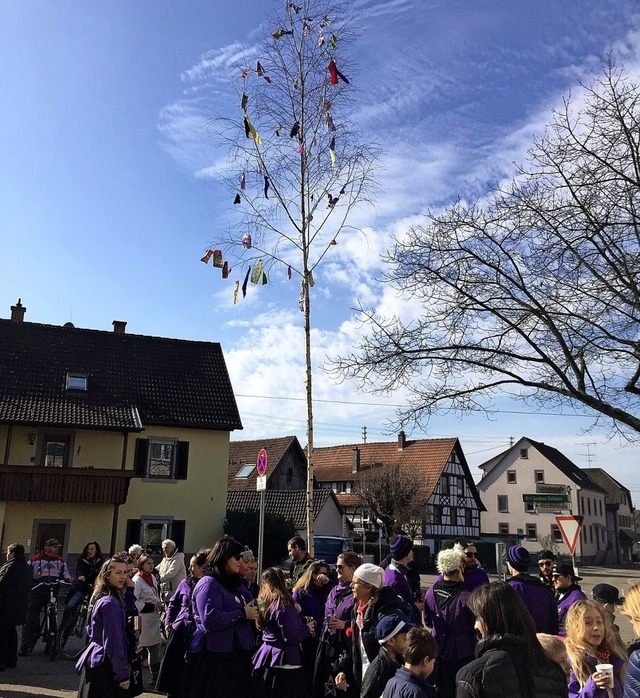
(539, 600)
(564, 599)
(590, 690)
(395, 578)
(219, 615)
(107, 638)
(311, 604)
(281, 638)
(339, 603)
(178, 616)
(473, 578)
(450, 620)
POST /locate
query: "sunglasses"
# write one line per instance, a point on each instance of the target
(545, 563)
(471, 554)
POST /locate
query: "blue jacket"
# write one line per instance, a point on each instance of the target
(632, 680)
(218, 616)
(406, 684)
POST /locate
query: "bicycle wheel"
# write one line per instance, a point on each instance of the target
(73, 636)
(52, 632)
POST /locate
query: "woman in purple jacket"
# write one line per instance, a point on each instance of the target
(223, 640)
(103, 666)
(278, 661)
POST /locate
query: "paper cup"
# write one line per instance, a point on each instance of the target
(606, 669)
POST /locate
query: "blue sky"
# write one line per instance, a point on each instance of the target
(108, 193)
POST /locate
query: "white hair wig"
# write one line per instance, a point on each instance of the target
(450, 559)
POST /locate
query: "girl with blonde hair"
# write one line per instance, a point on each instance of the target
(590, 640)
(631, 609)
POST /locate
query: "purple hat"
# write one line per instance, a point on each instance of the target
(400, 547)
(519, 558)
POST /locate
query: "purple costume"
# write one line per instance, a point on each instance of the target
(396, 578)
(564, 599)
(107, 638)
(473, 578)
(178, 616)
(539, 600)
(219, 615)
(281, 638)
(339, 603)
(311, 603)
(590, 690)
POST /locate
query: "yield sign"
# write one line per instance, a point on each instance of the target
(570, 527)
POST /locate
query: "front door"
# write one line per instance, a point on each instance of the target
(47, 530)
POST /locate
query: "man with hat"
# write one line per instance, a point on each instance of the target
(474, 575)
(391, 633)
(565, 582)
(396, 574)
(546, 561)
(537, 597)
(47, 568)
(609, 597)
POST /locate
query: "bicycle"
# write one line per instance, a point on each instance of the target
(73, 632)
(49, 627)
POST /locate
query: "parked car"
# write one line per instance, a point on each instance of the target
(328, 548)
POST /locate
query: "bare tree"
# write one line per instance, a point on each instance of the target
(393, 499)
(534, 294)
(296, 167)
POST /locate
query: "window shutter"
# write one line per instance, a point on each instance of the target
(182, 461)
(140, 460)
(177, 533)
(132, 536)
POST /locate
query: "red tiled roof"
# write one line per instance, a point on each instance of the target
(424, 457)
(245, 452)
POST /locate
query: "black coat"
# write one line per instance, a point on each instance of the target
(503, 670)
(15, 585)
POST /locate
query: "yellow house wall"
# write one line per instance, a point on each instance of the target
(86, 522)
(200, 499)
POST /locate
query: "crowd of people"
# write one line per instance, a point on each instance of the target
(359, 630)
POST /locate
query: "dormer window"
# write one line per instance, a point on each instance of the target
(76, 381)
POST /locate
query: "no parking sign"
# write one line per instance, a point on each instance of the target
(261, 463)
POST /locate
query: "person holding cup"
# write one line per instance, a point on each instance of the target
(631, 609)
(278, 662)
(598, 659)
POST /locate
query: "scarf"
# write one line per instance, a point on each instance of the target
(148, 578)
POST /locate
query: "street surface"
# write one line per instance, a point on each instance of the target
(37, 677)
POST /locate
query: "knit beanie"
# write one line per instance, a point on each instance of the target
(400, 547)
(519, 558)
(370, 574)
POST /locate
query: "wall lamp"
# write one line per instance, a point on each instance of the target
(32, 439)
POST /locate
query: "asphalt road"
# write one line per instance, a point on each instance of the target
(37, 677)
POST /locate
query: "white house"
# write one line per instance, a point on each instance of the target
(540, 471)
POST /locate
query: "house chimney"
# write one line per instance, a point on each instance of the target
(119, 326)
(18, 311)
(402, 442)
(355, 466)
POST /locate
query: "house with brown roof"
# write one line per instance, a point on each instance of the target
(452, 504)
(286, 464)
(620, 517)
(111, 436)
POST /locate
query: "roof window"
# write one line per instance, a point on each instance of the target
(76, 381)
(246, 470)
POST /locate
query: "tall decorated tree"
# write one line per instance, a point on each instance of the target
(297, 168)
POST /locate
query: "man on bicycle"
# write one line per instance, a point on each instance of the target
(47, 568)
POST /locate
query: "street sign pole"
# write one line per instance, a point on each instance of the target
(261, 486)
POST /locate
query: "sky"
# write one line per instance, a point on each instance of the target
(109, 192)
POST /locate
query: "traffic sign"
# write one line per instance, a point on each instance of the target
(570, 527)
(547, 488)
(545, 498)
(552, 507)
(261, 483)
(261, 463)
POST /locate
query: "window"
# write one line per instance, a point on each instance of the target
(76, 381)
(503, 503)
(511, 477)
(581, 505)
(468, 517)
(444, 484)
(555, 533)
(163, 459)
(524, 453)
(453, 515)
(460, 483)
(600, 507)
(149, 532)
(589, 505)
(530, 507)
(245, 470)
(590, 533)
(437, 514)
(55, 450)
(503, 529)
(538, 476)
(532, 531)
